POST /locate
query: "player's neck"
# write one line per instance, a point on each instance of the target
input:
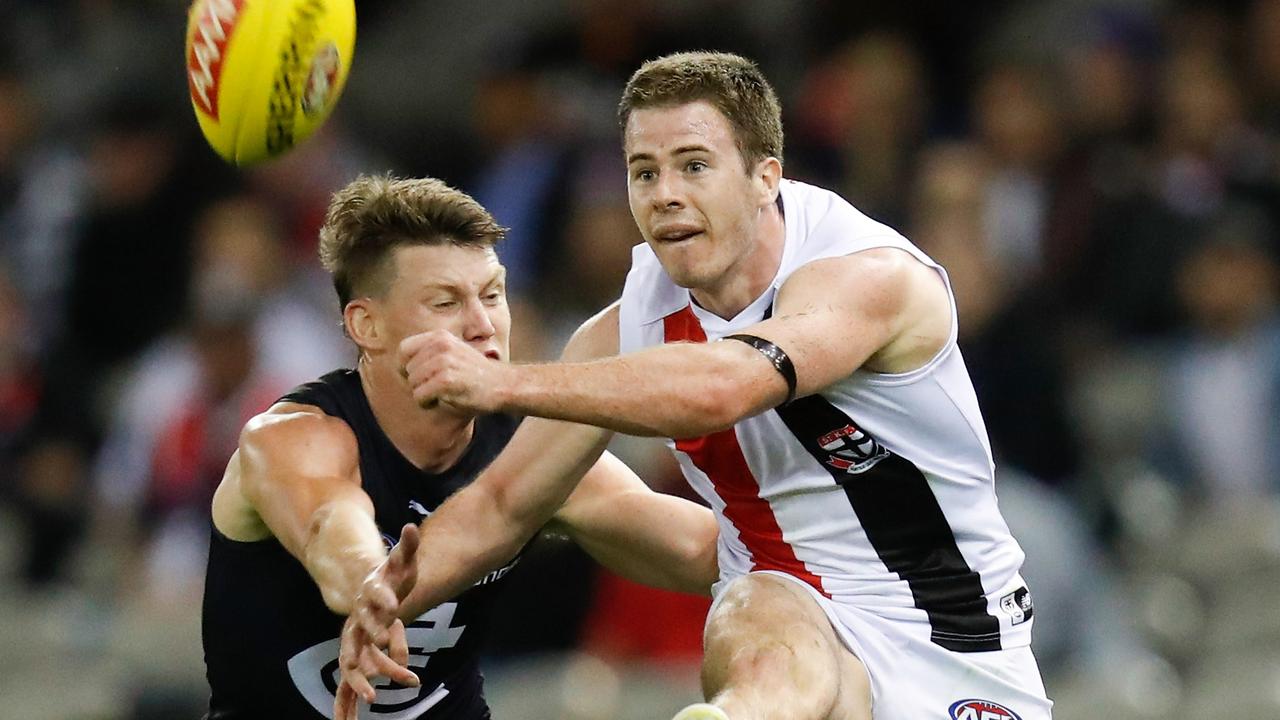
(433, 440)
(751, 273)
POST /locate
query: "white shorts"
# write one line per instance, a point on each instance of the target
(913, 678)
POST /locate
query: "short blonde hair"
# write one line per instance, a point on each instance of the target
(375, 214)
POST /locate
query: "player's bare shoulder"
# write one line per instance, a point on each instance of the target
(287, 443)
(595, 338)
(298, 433)
(883, 292)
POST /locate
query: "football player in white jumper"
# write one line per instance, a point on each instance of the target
(802, 360)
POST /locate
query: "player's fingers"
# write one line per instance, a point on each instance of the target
(427, 396)
(402, 565)
(404, 551)
(377, 663)
(353, 678)
(349, 644)
(398, 648)
(358, 677)
(344, 703)
(409, 347)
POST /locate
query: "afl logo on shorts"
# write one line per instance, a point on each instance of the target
(981, 710)
(851, 450)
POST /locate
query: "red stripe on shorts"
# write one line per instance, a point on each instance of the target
(719, 456)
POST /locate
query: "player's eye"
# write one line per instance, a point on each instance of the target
(645, 175)
(696, 166)
(444, 304)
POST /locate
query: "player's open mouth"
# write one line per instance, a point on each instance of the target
(677, 234)
(493, 355)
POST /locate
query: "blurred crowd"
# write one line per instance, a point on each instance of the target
(1101, 179)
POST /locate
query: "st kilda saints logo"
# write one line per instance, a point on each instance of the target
(851, 450)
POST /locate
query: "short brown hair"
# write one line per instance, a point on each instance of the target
(375, 214)
(732, 83)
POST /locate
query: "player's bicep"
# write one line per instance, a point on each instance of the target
(608, 479)
(596, 338)
(832, 315)
(292, 466)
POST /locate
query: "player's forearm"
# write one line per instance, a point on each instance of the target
(654, 540)
(343, 546)
(484, 525)
(462, 541)
(677, 391)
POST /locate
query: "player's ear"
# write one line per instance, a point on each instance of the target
(767, 176)
(360, 317)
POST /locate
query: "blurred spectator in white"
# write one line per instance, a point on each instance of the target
(1019, 123)
(1223, 383)
(42, 191)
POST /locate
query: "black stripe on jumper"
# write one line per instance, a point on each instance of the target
(902, 520)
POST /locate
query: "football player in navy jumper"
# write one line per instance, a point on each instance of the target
(324, 480)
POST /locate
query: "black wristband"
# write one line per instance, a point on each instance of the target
(777, 356)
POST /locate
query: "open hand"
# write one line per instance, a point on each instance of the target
(374, 624)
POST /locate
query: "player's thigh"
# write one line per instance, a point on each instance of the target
(768, 629)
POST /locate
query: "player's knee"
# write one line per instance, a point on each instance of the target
(773, 679)
(762, 634)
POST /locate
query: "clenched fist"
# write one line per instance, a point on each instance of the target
(441, 368)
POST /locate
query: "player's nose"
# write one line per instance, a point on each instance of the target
(667, 192)
(476, 322)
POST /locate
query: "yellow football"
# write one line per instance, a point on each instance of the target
(264, 74)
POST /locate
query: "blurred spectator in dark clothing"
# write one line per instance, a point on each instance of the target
(588, 259)
(860, 120)
(131, 263)
(35, 473)
(1102, 184)
(1204, 156)
(526, 161)
(1262, 29)
(1008, 342)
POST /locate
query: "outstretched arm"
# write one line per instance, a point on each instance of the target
(297, 472)
(480, 527)
(296, 477)
(879, 308)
